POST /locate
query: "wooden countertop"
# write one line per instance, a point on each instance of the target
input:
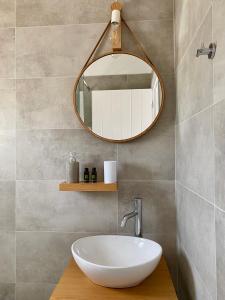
(74, 285)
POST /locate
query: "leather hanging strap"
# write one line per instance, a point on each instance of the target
(141, 48)
(98, 43)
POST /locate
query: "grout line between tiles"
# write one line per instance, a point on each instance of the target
(90, 233)
(175, 148)
(212, 105)
(195, 115)
(120, 180)
(37, 283)
(220, 209)
(93, 233)
(196, 270)
(86, 24)
(62, 76)
(174, 38)
(145, 180)
(193, 38)
(152, 20)
(15, 156)
(195, 193)
(15, 70)
(7, 27)
(46, 129)
(117, 159)
(214, 157)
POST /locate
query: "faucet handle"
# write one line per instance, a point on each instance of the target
(138, 210)
(137, 199)
(138, 203)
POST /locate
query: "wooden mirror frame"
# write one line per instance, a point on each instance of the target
(133, 137)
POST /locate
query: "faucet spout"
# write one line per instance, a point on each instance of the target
(203, 51)
(127, 217)
(137, 215)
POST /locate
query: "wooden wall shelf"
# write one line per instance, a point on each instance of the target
(88, 187)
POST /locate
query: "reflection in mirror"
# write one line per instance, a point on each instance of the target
(118, 96)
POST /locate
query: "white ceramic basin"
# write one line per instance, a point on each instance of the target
(116, 261)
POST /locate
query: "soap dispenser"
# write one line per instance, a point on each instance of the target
(72, 168)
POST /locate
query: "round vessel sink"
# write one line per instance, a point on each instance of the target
(116, 261)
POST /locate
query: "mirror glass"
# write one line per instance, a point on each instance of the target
(118, 97)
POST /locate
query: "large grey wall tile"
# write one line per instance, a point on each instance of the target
(162, 30)
(7, 205)
(188, 14)
(44, 12)
(55, 12)
(34, 291)
(220, 250)
(158, 205)
(219, 136)
(195, 83)
(191, 285)
(54, 51)
(182, 21)
(45, 103)
(164, 126)
(40, 206)
(219, 60)
(7, 104)
(7, 52)
(195, 154)
(7, 13)
(169, 108)
(168, 244)
(195, 162)
(136, 162)
(48, 151)
(147, 10)
(7, 291)
(7, 257)
(7, 155)
(196, 230)
(42, 256)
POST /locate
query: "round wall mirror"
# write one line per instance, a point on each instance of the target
(118, 97)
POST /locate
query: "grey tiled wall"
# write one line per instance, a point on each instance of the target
(43, 45)
(200, 154)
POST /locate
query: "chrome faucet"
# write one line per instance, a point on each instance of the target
(137, 214)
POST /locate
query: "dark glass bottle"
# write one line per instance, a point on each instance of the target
(86, 175)
(93, 175)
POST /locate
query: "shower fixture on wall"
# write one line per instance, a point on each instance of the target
(210, 52)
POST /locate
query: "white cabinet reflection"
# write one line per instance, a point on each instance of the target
(118, 114)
